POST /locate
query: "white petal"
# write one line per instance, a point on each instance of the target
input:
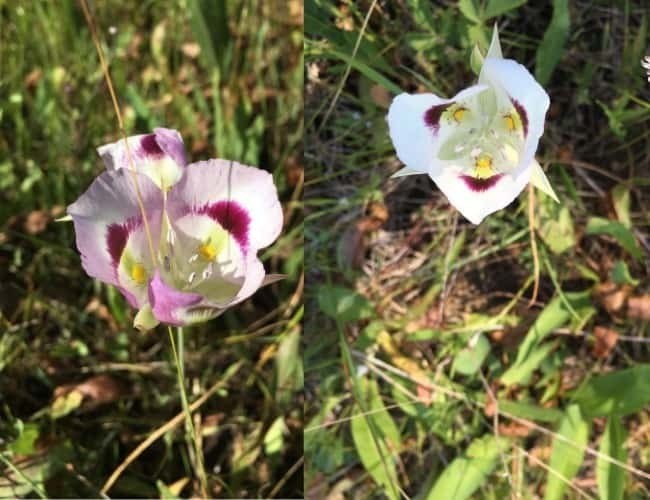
(476, 205)
(540, 181)
(514, 81)
(416, 142)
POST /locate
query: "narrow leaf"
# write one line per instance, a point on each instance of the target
(611, 477)
(551, 49)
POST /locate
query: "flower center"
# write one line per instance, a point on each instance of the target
(483, 166)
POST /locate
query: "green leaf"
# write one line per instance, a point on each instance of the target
(288, 367)
(554, 315)
(469, 360)
(210, 28)
(342, 304)
(551, 49)
(274, 437)
(530, 411)
(611, 477)
(497, 7)
(621, 202)
(615, 394)
(623, 235)
(620, 274)
(24, 443)
(466, 474)
(555, 225)
(565, 457)
(469, 9)
(376, 437)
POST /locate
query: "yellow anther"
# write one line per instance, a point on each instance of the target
(208, 251)
(138, 274)
(459, 113)
(510, 122)
(483, 166)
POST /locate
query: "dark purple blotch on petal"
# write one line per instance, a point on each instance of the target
(522, 115)
(150, 146)
(231, 216)
(433, 114)
(480, 185)
(117, 236)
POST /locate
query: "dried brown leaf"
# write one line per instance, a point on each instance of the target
(639, 307)
(605, 340)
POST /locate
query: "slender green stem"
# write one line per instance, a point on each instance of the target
(179, 355)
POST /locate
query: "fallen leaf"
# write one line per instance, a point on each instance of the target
(294, 171)
(639, 307)
(36, 221)
(380, 96)
(611, 296)
(605, 340)
(97, 390)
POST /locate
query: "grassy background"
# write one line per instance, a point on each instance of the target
(428, 373)
(79, 388)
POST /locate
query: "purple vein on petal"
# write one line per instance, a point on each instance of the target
(480, 185)
(522, 115)
(117, 236)
(433, 114)
(231, 216)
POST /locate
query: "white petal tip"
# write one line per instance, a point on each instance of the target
(65, 218)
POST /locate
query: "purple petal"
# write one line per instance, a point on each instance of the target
(168, 304)
(118, 234)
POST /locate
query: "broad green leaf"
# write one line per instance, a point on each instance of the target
(274, 437)
(551, 49)
(462, 477)
(342, 304)
(376, 438)
(497, 7)
(469, 9)
(623, 235)
(24, 443)
(611, 477)
(615, 394)
(554, 315)
(565, 457)
(469, 360)
(555, 225)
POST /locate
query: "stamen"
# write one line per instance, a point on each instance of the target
(193, 259)
(191, 277)
(207, 272)
(167, 263)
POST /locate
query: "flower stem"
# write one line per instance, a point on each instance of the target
(190, 433)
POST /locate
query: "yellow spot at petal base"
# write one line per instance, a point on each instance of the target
(459, 114)
(138, 274)
(510, 123)
(483, 167)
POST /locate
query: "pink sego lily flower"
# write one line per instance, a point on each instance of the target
(206, 222)
(479, 146)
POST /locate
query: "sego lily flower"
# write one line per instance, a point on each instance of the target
(479, 146)
(194, 253)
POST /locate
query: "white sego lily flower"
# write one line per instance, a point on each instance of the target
(479, 146)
